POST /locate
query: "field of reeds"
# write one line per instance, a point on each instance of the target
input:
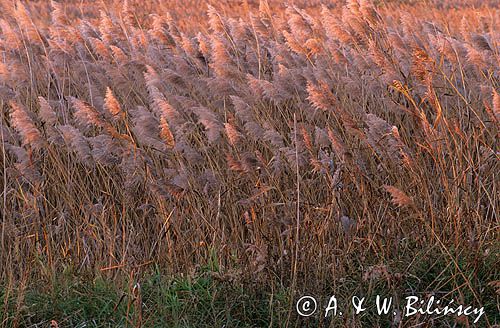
(207, 163)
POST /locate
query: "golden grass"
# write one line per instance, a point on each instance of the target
(296, 143)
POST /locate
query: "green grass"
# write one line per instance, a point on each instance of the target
(210, 298)
(202, 301)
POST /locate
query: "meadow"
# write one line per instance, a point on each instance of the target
(207, 163)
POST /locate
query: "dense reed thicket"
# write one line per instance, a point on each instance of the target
(293, 144)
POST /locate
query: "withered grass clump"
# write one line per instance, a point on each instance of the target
(299, 145)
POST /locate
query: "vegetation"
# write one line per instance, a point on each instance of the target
(182, 164)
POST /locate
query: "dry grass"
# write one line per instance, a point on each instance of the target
(301, 145)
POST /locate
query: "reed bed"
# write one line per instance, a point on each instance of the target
(297, 145)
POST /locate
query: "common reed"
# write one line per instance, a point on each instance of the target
(134, 136)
